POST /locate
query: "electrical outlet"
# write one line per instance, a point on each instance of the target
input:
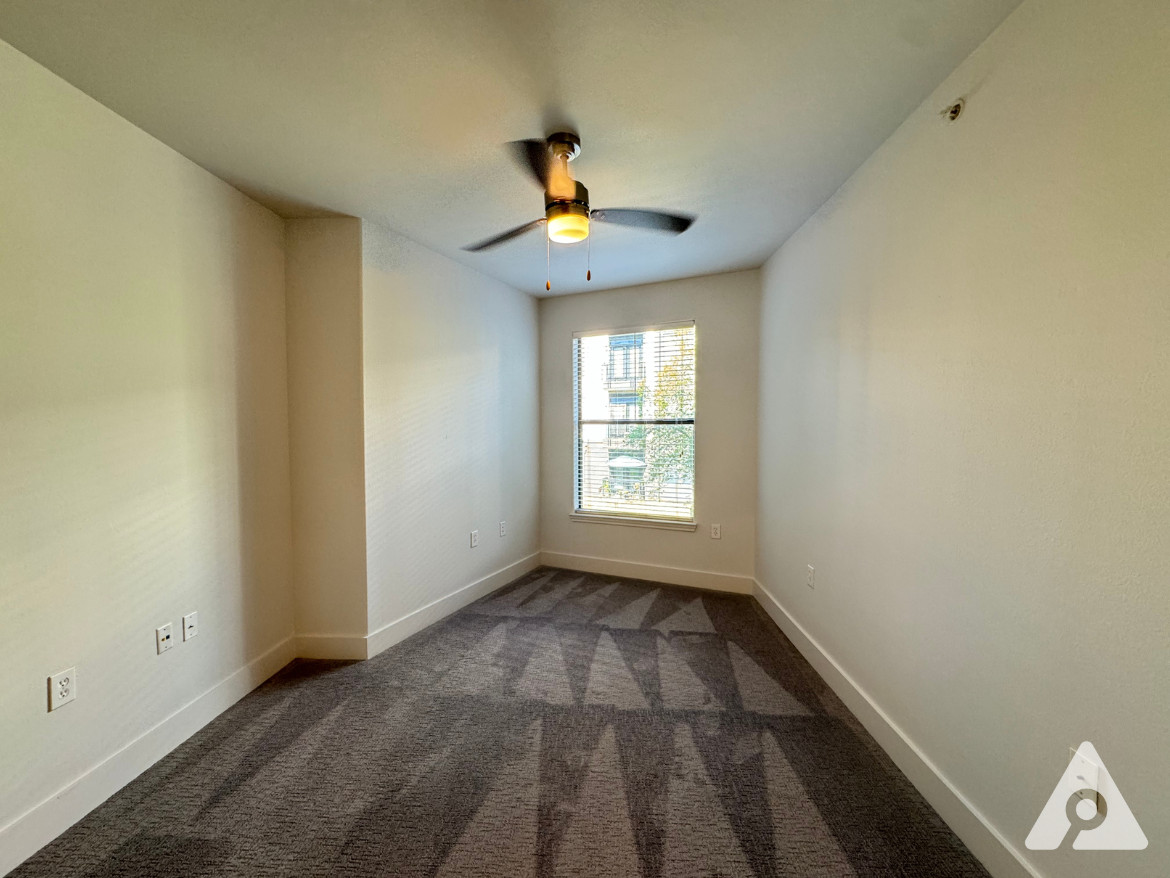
(62, 688)
(474, 538)
(163, 639)
(503, 528)
(812, 577)
(190, 625)
(716, 532)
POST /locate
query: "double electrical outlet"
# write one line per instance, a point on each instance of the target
(62, 688)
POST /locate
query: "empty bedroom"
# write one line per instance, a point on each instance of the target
(548, 439)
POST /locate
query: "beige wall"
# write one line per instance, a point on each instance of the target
(326, 438)
(965, 417)
(143, 424)
(725, 308)
(451, 441)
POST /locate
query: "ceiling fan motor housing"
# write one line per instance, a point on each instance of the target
(580, 197)
(568, 219)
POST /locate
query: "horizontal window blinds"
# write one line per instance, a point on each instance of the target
(634, 422)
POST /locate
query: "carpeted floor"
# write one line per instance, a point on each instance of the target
(567, 725)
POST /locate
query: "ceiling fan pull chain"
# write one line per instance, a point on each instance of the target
(588, 258)
(547, 264)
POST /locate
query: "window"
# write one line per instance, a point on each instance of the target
(623, 406)
(634, 423)
(625, 358)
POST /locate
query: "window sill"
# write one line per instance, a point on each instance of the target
(633, 521)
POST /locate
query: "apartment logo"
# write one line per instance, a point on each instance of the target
(1088, 808)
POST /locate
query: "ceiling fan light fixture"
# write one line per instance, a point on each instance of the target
(567, 223)
(567, 216)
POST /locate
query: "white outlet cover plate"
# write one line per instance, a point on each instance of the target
(503, 528)
(474, 538)
(190, 625)
(163, 639)
(62, 688)
(716, 532)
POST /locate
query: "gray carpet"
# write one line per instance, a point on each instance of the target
(567, 725)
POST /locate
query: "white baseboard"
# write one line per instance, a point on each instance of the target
(652, 572)
(38, 826)
(331, 646)
(998, 855)
(413, 622)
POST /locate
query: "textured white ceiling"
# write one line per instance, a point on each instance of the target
(749, 113)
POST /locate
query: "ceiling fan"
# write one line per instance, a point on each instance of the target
(567, 214)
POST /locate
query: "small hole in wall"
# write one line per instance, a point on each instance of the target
(955, 110)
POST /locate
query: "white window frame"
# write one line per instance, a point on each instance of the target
(631, 519)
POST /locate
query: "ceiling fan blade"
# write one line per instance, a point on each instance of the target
(505, 237)
(675, 223)
(533, 157)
